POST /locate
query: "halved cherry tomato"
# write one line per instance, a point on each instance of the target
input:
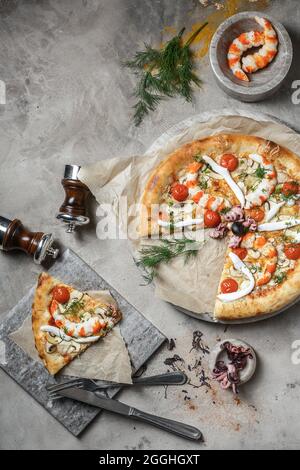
(229, 161)
(211, 218)
(179, 191)
(257, 213)
(240, 252)
(292, 251)
(52, 306)
(229, 285)
(61, 294)
(289, 188)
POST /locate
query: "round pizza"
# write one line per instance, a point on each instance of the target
(243, 188)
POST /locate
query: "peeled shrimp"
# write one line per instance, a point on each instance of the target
(241, 44)
(265, 55)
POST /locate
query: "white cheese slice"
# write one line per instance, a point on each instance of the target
(274, 208)
(227, 177)
(239, 266)
(280, 225)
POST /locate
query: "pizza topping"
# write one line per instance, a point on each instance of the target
(211, 218)
(229, 180)
(290, 188)
(219, 232)
(181, 223)
(179, 192)
(240, 252)
(229, 161)
(266, 175)
(256, 213)
(235, 241)
(61, 294)
(229, 285)
(59, 333)
(239, 265)
(292, 251)
(250, 224)
(279, 225)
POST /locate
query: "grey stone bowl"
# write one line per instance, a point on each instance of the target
(263, 83)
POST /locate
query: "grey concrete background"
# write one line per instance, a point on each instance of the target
(68, 100)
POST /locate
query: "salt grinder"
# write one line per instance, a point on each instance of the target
(73, 211)
(14, 236)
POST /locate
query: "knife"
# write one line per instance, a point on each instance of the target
(115, 406)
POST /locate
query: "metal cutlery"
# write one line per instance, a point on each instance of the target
(99, 400)
(170, 378)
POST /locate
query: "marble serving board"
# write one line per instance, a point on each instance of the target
(142, 339)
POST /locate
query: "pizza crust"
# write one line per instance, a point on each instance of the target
(40, 316)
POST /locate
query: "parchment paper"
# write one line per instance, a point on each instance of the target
(193, 285)
(108, 359)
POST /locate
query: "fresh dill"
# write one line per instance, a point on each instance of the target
(162, 73)
(152, 256)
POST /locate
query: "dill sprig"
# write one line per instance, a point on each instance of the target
(152, 256)
(162, 73)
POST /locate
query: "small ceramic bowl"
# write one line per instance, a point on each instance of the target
(220, 354)
(263, 83)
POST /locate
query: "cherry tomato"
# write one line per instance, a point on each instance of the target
(292, 251)
(179, 192)
(229, 285)
(289, 188)
(240, 252)
(211, 218)
(61, 294)
(257, 213)
(229, 161)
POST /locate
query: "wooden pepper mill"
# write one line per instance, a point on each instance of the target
(14, 236)
(73, 211)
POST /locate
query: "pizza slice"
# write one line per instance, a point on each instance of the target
(66, 322)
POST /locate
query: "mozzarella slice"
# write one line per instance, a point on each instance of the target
(227, 177)
(239, 266)
(58, 332)
(182, 223)
(280, 225)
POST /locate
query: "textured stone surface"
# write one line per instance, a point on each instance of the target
(68, 100)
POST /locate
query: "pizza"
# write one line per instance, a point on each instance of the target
(246, 189)
(65, 321)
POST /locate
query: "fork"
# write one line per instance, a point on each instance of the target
(170, 378)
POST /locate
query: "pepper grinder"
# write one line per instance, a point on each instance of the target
(73, 211)
(14, 236)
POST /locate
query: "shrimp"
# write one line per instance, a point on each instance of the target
(89, 327)
(265, 255)
(265, 55)
(242, 43)
(267, 184)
